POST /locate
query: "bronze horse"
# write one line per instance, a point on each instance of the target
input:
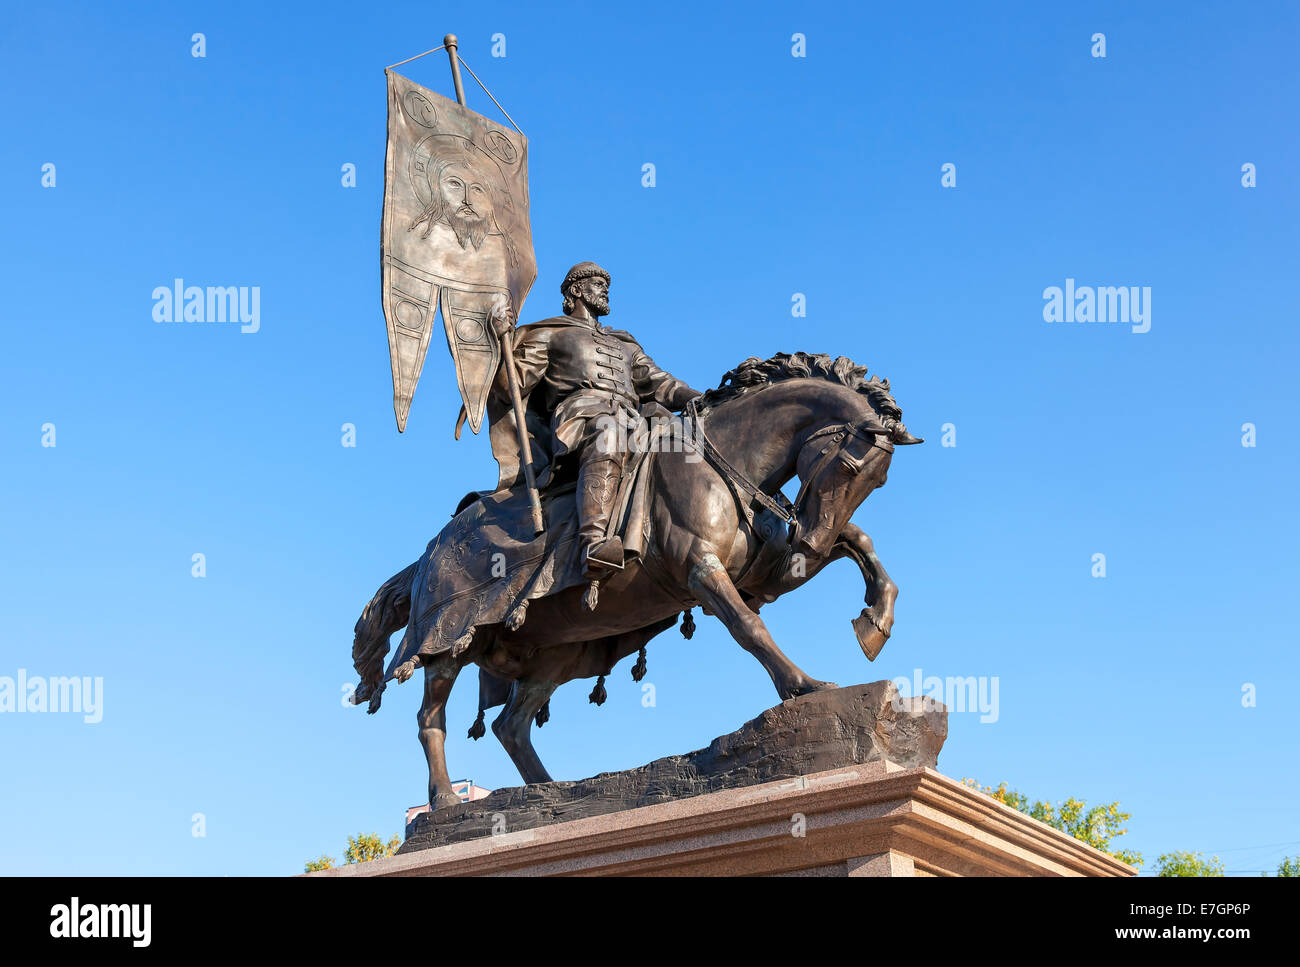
(770, 420)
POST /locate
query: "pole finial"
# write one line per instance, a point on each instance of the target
(450, 40)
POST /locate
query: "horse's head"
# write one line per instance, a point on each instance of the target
(840, 464)
(826, 418)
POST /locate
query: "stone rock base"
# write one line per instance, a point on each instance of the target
(830, 729)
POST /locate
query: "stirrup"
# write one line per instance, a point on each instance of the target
(602, 557)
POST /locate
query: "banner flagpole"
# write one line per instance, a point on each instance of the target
(507, 344)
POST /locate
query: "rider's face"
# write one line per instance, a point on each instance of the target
(595, 292)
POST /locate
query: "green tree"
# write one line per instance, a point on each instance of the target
(1290, 866)
(368, 846)
(361, 849)
(1183, 863)
(1096, 825)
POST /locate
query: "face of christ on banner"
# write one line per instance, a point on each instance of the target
(466, 202)
(463, 199)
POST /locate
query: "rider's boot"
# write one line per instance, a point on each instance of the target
(598, 480)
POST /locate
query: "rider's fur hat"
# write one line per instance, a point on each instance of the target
(583, 270)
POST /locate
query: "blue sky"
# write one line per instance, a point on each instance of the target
(775, 175)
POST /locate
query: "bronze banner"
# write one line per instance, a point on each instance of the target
(456, 237)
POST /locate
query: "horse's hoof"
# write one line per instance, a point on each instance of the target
(808, 687)
(444, 800)
(870, 637)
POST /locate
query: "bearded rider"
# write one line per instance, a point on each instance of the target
(593, 380)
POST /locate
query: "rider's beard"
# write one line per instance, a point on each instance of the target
(471, 228)
(599, 306)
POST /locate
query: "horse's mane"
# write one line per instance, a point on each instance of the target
(755, 373)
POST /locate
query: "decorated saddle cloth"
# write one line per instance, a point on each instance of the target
(486, 562)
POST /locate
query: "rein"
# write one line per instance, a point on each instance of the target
(747, 492)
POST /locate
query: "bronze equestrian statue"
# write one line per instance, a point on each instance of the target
(647, 514)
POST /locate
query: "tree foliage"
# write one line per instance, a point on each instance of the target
(368, 846)
(1183, 863)
(361, 849)
(1290, 866)
(1096, 825)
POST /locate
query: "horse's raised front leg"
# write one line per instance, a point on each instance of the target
(439, 676)
(874, 625)
(712, 586)
(515, 723)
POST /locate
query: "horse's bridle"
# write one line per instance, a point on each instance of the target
(747, 492)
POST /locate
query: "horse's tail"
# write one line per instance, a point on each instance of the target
(388, 610)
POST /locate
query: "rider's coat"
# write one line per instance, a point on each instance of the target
(571, 373)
